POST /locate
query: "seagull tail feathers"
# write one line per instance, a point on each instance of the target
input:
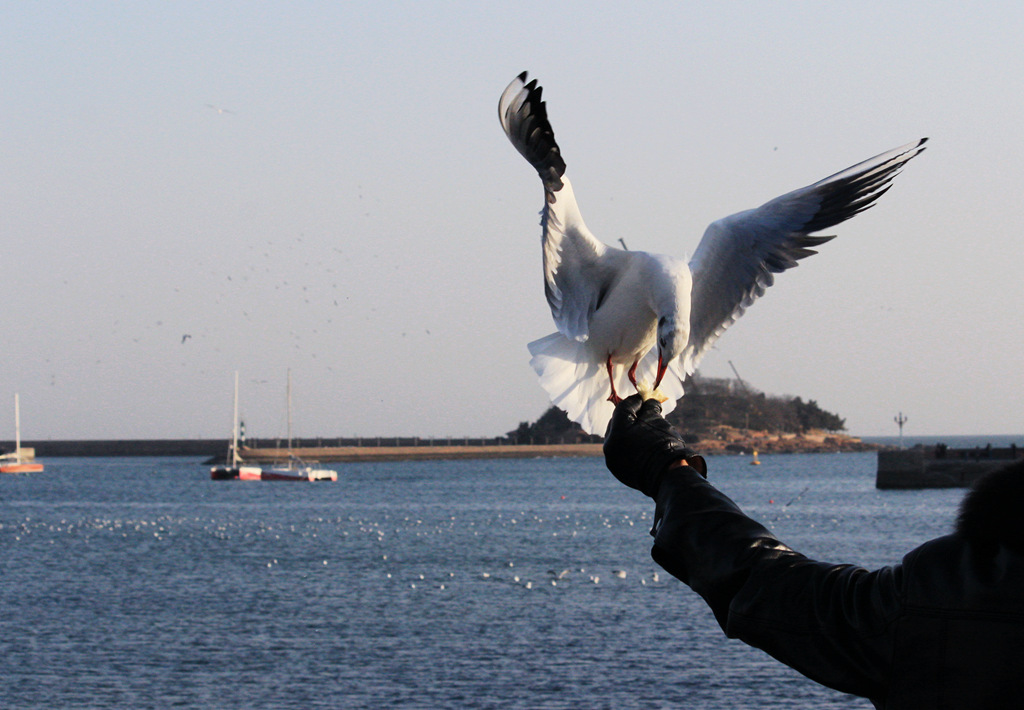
(577, 383)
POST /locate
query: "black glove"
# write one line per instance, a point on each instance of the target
(640, 445)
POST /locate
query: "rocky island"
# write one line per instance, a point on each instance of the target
(726, 416)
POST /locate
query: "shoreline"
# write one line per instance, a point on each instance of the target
(723, 441)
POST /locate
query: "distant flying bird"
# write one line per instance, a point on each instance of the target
(641, 317)
(218, 109)
(185, 337)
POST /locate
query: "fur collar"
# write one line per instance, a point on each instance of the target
(991, 513)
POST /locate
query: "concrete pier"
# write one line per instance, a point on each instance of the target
(939, 467)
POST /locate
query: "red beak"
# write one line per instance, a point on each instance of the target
(662, 366)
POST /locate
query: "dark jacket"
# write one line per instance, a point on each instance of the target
(944, 629)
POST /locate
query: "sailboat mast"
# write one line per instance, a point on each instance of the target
(233, 454)
(289, 411)
(17, 429)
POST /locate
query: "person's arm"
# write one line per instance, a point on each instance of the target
(833, 623)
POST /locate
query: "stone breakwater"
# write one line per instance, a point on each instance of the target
(724, 442)
(352, 454)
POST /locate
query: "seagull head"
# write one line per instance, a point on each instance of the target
(668, 290)
(671, 341)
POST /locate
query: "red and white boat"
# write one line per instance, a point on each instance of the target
(20, 460)
(233, 468)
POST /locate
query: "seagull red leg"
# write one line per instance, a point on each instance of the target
(632, 374)
(614, 398)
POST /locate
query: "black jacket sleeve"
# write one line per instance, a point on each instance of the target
(833, 623)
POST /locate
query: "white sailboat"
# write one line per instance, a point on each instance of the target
(19, 461)
(295, 469)
(234, 467)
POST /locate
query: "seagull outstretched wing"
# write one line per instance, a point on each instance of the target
(739, 255)
(578, 268)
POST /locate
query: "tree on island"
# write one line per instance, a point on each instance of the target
(709, 403)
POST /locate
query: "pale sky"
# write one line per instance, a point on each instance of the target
(325, 187)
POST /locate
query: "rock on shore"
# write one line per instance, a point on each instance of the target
(729, 440)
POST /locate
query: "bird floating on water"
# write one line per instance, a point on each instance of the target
(636, 317)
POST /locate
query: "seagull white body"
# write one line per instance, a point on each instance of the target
(624, 316)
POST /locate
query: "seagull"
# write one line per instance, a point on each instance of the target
(631, 317)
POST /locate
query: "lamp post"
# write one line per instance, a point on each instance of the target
(900, 421)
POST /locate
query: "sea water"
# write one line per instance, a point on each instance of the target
(140, 583)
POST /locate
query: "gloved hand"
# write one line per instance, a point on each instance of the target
(640, 445)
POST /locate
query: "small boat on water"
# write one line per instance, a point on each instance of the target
(233, 467)
(295, 469)
(298, 470)
(20, 460)
(755, 461)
